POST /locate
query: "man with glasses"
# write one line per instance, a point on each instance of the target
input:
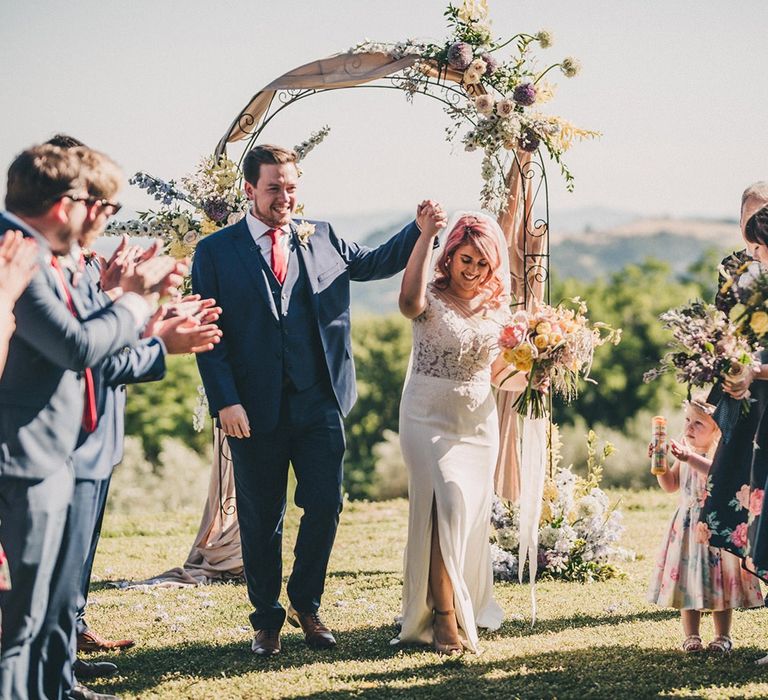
(99, 451)
(47, 392)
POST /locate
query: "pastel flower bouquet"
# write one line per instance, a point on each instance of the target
(555, 345)
(706, 346)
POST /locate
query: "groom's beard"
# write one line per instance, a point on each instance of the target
(270, 217)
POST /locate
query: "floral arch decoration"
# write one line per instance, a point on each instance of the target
(493, 107)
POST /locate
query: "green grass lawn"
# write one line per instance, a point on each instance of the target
(595, 640)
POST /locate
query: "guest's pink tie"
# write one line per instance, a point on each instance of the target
(279, 264)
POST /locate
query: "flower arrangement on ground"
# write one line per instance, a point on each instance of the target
(578, 531)
(706, 346)
(555, 345)
(501, 97)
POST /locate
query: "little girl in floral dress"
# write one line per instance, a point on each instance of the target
(689, 574)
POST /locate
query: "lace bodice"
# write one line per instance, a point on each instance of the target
(449, 345)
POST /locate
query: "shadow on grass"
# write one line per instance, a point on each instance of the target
(597, 672)
(601, 671)
(142, 669)
(522, 627)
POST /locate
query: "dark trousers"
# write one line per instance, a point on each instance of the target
(56, 641)
(85, 583)
(310, 436)
(32, 523)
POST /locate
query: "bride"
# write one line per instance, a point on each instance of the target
(449, 429)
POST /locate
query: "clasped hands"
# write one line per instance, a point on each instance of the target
(430, 218)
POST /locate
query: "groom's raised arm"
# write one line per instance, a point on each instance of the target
(214, 367)
(377, 263)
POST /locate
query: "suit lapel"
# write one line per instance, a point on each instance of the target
(308, 262)
(252, 259)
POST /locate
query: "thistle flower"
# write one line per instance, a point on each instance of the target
(529, 141)
(460, 55)
(570, 67)
(525, 94)
(545, 38)
(216, 209)
(491, 64)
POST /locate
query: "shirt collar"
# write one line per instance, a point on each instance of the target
(258, 228)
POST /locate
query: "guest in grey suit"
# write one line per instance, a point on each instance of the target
(42, 390)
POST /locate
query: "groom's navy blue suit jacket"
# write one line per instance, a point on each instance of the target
(246, 366)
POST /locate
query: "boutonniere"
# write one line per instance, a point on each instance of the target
(304, 231)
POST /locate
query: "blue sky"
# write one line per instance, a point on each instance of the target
(678, 89)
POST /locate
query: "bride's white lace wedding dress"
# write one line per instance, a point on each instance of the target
(449, 437)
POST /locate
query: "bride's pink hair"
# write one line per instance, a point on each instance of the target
(477, 232)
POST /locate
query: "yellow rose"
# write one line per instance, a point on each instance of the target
(541, 341)
(544, 327)
(508, 357)
(179, 250)
(759, 322)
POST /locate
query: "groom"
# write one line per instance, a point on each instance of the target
(282, 379)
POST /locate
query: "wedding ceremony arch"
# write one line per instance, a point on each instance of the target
(491, 107)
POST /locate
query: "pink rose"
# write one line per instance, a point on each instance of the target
(756, 501)
(703, 534)
(512, 336)
(742, 496)
(739, 535)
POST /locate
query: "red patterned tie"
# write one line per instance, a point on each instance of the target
(90, 417)
(279, 264)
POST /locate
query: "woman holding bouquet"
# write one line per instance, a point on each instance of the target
(449, 430)
(733, 516)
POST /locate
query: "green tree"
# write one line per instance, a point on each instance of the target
(156, 410)
(382, 346)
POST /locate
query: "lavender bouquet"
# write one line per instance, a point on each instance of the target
(706, 348)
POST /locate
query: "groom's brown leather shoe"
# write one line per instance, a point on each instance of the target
(266, 642)
(316, 634)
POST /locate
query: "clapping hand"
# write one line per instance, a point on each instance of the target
(430, 218)
(124, 256)
(186, 326)
(18, 263)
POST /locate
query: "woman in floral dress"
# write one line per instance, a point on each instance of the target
(733, 515)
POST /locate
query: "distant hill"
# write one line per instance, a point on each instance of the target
(582, 247)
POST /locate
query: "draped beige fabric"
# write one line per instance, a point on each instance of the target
(216, 554)
(341, 70)
(516, 221)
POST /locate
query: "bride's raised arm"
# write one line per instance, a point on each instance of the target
(430, 218)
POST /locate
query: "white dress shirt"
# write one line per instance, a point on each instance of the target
(258, 230)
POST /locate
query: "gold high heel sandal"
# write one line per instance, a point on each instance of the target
(451, 648)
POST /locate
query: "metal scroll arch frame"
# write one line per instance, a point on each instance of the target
(532, 176)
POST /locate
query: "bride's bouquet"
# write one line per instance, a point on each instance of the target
(707, 346)
(555, 346)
